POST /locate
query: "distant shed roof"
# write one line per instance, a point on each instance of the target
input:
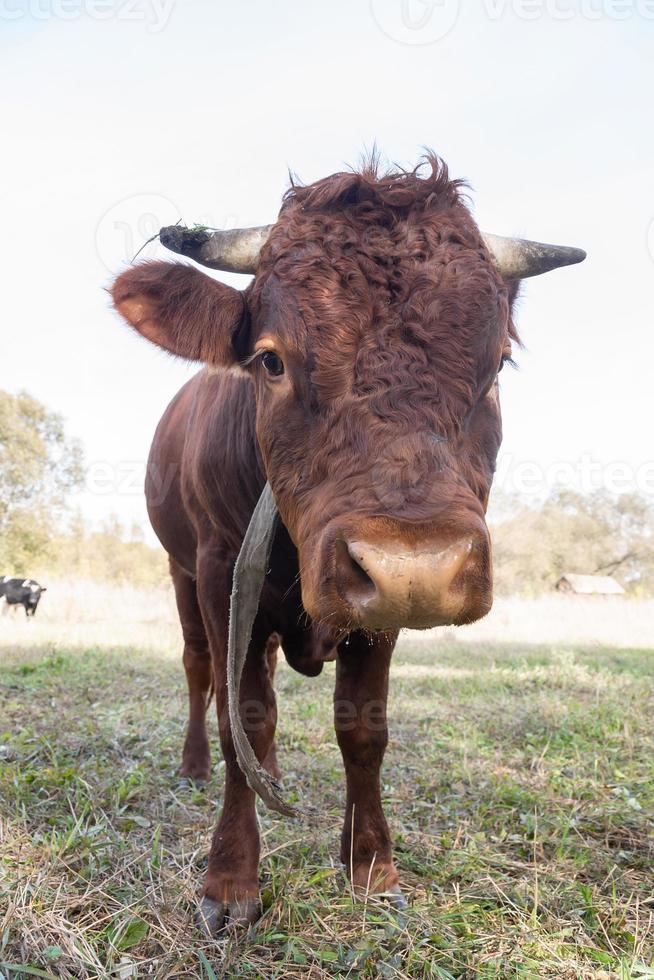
(589, 584)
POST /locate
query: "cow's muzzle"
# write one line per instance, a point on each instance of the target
(386, 576)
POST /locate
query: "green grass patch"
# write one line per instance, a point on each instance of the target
(519, 786)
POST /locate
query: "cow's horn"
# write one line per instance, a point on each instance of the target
(237, 250)
(518, 258)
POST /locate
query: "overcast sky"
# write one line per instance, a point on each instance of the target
(119, 117)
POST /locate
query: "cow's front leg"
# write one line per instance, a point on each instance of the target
(231, 886)
(360, 695)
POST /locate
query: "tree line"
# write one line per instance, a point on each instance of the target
(592, 534)
(40, 536)
(41, 467)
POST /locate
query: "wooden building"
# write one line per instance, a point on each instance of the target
(572, 584)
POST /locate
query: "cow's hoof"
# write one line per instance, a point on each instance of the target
(210, 917)
(379, 882)
(188, 782)
(243, 914)
(395, 898)
(219, 919)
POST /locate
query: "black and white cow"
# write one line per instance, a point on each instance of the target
(23, 592)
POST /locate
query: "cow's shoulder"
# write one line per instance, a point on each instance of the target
(223, 475)
(204, 471)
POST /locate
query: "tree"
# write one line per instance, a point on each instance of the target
(571, 532)
(110, 554)
(39, 467)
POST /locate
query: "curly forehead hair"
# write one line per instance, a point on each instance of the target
(385, 225)
(390, 216)
(390, 273)
(401, 190)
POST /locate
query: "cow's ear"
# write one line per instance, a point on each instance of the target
(182, 310)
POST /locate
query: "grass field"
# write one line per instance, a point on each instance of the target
(519, 786)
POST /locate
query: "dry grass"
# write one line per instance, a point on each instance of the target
(83, 613)
(518, 784)
(89, 612)
(611, 621)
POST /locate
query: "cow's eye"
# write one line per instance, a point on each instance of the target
(506, 358)
(272, 363)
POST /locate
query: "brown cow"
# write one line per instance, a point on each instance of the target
(358, 374)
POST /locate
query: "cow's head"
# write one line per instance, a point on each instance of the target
(373, 332)
(34, 598)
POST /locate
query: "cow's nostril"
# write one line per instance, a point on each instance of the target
(359, 572)
(354, 579)
(387, 584)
